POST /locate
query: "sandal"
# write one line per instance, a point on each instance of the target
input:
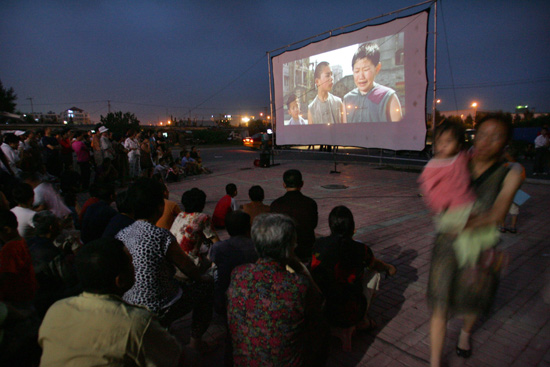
(512, 230)
(366, 324)
(502, 229)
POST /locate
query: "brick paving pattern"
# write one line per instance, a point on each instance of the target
(391, 217)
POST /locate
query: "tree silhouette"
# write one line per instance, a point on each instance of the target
(7, 99)
(120, 123)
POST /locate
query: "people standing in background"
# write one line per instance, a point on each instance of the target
(541, 153)
(132, 146)
(82, 159)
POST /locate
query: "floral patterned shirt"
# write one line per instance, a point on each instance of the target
(191, 229)
(266, 314)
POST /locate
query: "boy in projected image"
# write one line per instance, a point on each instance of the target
(370, 101)
(325, 108)
(293, 105)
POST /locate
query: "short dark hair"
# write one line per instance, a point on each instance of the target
(456, 129)
(291, 98)
(193, 200)
(237, 223)
(105, 191)
(319, 69)
(11, 138)
(501, 118)
(369, 51)
(274, 235)
(123, 204)
(292, 178)
(146, 195)
(256, 193)
(230, 189)
(99, 262)
(340, 221)
(22, 193)
(43, 222)
(7, 219)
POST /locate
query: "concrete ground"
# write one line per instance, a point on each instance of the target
(392, 218)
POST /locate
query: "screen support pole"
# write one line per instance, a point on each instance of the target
(334, 148)
(273, 119)
(434, 122)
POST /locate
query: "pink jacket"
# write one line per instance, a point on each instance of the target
(445, 183)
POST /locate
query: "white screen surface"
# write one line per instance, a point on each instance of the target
(351, 101)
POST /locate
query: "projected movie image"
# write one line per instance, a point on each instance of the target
(355, 84)
(363, 88)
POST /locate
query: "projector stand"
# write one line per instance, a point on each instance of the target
(335, 163)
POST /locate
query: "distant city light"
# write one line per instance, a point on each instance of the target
(245, 119)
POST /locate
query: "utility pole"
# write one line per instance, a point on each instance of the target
(32, 107)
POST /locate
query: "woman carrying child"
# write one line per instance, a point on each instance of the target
(455, 286)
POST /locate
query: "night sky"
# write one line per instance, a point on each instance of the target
(198, 58)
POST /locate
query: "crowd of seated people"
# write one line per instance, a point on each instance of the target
(138, 268)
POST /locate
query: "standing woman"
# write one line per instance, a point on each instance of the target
(132, 146)
(146, 161)
(465, 291)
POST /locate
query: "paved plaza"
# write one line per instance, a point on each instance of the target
(392, 218)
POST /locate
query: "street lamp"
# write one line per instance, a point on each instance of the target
(474, 105)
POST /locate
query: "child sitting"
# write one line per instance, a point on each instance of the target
(445, 183)
(224, 206)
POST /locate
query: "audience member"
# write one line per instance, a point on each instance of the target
(171, 211)
(24, 197)
(53, 266)
(256, 206)
(51, 149)
(156, 255)
(347, 273)
(302, 209)
(123, 218)
(17, 278)
(10, 149)
(98, 215)
(132, 146)
(94, 192)
(98, 327)
(46, 196)
(226, 204)
(273, 307)
(82, 153)
(192, 227)
(230, 253)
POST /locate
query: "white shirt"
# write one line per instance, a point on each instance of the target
(132, 146)
(541, 141)
(45, 194)
(11, 155)
(24, 216)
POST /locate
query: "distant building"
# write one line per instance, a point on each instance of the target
(78, 116)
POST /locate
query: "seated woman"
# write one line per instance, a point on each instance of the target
(192, 227)
(273, 305)
(156, 255)
(347, 273)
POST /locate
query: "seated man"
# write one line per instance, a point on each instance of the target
(98, 327)
(230, 253)
(302, 209)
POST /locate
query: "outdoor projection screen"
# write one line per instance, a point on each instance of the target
(354, 110)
